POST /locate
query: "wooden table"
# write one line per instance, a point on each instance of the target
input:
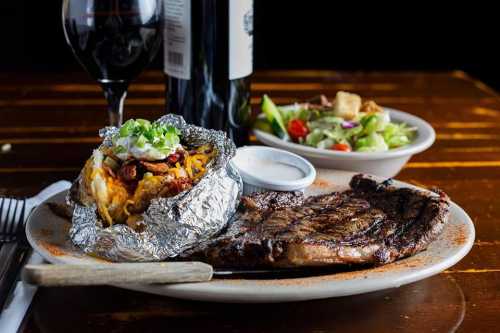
(51, 121)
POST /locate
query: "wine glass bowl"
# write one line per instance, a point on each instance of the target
(114, 40)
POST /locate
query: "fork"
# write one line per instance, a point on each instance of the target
(13, 244)
(9, 222)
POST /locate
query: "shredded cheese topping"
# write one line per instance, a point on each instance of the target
(116, 205)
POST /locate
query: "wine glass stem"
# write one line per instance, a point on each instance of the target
(115, 93)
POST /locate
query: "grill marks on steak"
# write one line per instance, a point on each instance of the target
(371, 223)
(272, 200)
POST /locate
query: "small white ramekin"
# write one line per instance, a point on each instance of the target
(255, 182)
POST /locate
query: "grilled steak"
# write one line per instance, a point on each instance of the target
(272, 200)
(370, 223)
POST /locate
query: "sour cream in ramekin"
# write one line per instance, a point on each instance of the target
(264, 168)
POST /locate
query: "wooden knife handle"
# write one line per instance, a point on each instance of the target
(119, 273)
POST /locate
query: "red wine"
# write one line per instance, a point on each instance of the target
(208, 62)
(113, 40)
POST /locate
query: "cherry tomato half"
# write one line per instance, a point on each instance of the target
(341, 147)
(297, 129)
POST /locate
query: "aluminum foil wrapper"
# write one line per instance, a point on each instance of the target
(172, 224)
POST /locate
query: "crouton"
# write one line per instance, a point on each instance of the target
(371, 107)
(346, 105)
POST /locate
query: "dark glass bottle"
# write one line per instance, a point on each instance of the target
(208, 63)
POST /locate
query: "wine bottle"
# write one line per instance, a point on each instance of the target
(208, 63)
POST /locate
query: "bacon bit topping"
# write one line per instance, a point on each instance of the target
(175, 187)
(128, 172)
(156, 167)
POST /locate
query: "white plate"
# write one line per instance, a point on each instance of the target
(384, 164)
(48, 234)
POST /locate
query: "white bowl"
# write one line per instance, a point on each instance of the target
(383, 164)
(256, 180)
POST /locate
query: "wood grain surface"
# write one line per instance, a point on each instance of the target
(51, 122)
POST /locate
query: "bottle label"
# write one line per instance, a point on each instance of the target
(177, 38)
(240, 38)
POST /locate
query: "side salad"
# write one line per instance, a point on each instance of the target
(345, 124)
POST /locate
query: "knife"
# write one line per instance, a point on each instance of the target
(48, 275)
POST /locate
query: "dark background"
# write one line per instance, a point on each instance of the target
(313, 34)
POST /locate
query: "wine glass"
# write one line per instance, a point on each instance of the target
(113, 40)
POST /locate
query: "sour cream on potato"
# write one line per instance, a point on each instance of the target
(147, 152)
